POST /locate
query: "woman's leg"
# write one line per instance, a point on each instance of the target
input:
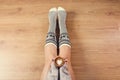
(50, 53)
(65, 52)
(50, 47)
(65, 47)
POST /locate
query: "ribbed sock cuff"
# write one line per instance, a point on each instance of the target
(51, 38)
(64, 39)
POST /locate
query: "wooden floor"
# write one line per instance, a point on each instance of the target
(93, 26)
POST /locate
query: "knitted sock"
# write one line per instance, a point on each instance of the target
(52, 19)
(64, 38)
(62, 20)
(51, 37)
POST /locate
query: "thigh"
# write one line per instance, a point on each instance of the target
(65, 52)
(50, 52)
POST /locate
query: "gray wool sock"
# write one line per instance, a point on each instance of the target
(51, 36)
(64, 38)
(62, 20)
(52, 20)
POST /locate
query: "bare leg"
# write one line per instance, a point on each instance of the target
(50, 53)
(51, 45)
(65, 46)
(65, 52)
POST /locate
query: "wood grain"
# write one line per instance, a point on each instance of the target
(93, 26)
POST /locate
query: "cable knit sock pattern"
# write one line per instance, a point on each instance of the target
(64, 39)
(51, 36)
